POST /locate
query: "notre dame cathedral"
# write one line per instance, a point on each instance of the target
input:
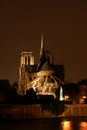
(43, 77)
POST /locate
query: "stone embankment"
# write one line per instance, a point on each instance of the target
(19, 112)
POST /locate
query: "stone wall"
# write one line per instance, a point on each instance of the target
(75, 110)
(35, 112)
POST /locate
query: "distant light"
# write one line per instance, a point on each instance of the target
(66, 97)
(34, 88)
(81, 100)
(84, 97)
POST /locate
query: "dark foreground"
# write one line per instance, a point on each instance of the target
(74, 123)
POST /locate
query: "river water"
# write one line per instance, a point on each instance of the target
(46, 124)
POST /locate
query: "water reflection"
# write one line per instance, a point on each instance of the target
(46, 124)
(66, 125)
(83, 126)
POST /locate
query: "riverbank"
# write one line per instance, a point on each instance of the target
(34, 111)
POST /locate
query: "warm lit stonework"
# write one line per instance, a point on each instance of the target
(44, 77)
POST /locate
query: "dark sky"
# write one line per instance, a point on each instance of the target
(63, 24)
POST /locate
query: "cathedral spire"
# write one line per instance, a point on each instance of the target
(42, 46)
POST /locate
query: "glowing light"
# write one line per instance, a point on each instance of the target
(66, 125)
(66, 97)
(61, 93)
(83, 126)
(81, 100)
(84, 97)
(34, 88)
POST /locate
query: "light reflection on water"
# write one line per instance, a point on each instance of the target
(66, 125)
(83, 126)
(74, 124)
(46, 124)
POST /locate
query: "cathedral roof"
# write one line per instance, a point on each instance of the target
(47, 67)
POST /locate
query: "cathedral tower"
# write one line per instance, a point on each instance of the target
(27, 59)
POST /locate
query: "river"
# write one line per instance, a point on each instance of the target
(75, 123)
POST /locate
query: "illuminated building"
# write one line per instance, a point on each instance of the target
(27, 71)
(44, 77)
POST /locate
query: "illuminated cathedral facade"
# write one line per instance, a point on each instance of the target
(44, 78)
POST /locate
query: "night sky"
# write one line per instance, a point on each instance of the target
(63, 24)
